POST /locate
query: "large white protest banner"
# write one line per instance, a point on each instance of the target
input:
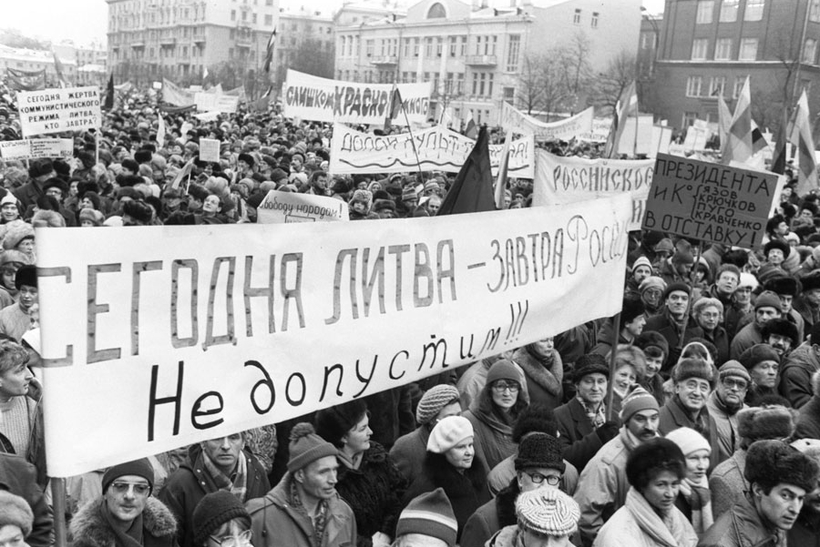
(438, 149)
(519, 122)
(212, 102)
(29, 149)
(56, 110)
(157, 346)
(289, 207)
(564, 180)
(319, 99)
(175, 95)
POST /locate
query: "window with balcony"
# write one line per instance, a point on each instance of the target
(705, 10)
(699, 47)
(723, 49)
(728, 11)
(693, 86)
(748, 49)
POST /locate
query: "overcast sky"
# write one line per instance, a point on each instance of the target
(84, 21)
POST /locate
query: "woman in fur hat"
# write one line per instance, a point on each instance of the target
(16, 519)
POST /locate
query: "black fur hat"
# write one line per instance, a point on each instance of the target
(654, 455)
(783, 327)
(769, 463)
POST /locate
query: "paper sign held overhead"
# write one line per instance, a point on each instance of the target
(289, 207)
(209, 150)
(58, 110)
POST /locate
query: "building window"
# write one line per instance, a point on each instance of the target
(693, 85)
(739, 81)
(254, 19)
(699, 47)
(231, 34)
(728, 11)
(754, 10)
(705, 10)
(809, 51)
(723, 49)
(436, 11)
(428, 48)
(368, 48)
(689, 118)
(268, 2)
(748, 49)
(478, 45)
(416, 45)
(577, 17)
(453, 40)
(233, 15)
(463, 51)
(594, 22)
(509, 95)
(513, 51)
(439, 46)
(716, 86)
(268, 20)
(814, 11)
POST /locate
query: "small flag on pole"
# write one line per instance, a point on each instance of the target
(58, 67)
(472, 191)
(269, 51)
(501, 180)
(724, 120)
(395, 107)
(626, 106)
(470, 129)
(161, 131)
(738, 145)
(802, 138)
(109, 94)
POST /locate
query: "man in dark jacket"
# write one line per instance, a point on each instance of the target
(801, 363)
(808, 421)
(218, 464)
(39, 172)
(20, 478)
(670, 323)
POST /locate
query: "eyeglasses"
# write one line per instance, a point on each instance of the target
(501, 387)
(538, 478)
(123, 487)
(735, 384)
(239, 540)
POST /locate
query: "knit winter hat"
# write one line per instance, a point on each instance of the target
(306, 447)
(141, 468)
(689, 440)
(540, 450)
(677, 286)
(214, 510)
(692, 368)
(641, 261)
(733, 368)
(767, 299)
(757, 354)
(775, 422)
(639, 399)
(503, 369)
(590, 363)
(652, 282)
(15, 511)
(436, 398)
(449, 432)
(547, 511)
(429, 514)
(776, 462)
(408, 193)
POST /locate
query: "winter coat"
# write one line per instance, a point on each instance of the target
(490, 518)
(673, 416)
(727, 438)
(740, 527)
(806, 530)
(748, 336)
(666, 328)
(604, 338)
(89, 528)
(187, 486)
(795, 374)
(392, 415)
(409, 451)
(20, 478)
(374, 491)
(578, 438)
(727, 483)
(492, 434)
(808, 421)
(720, 339)
(544, 376)
(466, 491)
(36, 453)
(276, 523)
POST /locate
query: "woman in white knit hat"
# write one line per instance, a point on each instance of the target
(694, 499)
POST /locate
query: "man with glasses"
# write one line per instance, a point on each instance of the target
(708, 313)
(725, 402)
(126, 515)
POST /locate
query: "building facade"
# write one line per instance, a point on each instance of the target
(709, 47)
(304, 41)
(33, 60)
(475, 53)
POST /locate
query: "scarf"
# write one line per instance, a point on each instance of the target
(319, 520)
(130, 537)
(700, 423)
(668, 531)
(699, 498)
(238, 486)
(596, 417)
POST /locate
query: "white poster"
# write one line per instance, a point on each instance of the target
(212, 102)
(290, 207)
(178, 342)
(29, 149)
(319, 99)
(209, 150)
(572, 127)
(56, 110)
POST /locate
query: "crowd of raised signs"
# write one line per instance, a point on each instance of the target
(701, 429)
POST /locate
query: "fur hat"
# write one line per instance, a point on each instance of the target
(641, 261)
(774, 422)
(141, 468)
(637, 400)
(47, 219)
(14, 256)
(693, 368)
(811, 282)
(665, 245)
(651, 454)
(782, 285)
(503, 369)
(589, 364)
(677, 286)
(651, 338)
(688, 440)
(214, 510)
(547, 512)
(15, 511)
(26, 275)
(429, 514)
(757, 354)
(333, 423)
(775, 462)
(17, 231)
(783, 327)
(767, 299)
(683, 257)
(435, 399)
(540, 450)
(652, 282)
(306, 447)
(748, 280)
(776, 244)
(733, 368)
(631, 308)
(92, 215)
(449, 432)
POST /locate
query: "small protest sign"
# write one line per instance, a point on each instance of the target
(288, 207)
(57, 110)
(708, 201)
(29, 149)
(209, 150)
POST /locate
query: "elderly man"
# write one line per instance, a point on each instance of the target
(767, 306)
(217, 464)
(126, 515)
(670, 323)
(304, 509)
(725, 402)
(602, 486)
(787, 288)
(779, 478)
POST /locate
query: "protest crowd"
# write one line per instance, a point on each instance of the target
(704, 430)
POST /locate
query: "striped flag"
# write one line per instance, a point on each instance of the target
(58, 67)
(395, 107)
(626, 106)
(269, 51)
(470, 128)
(501, 180)
(724, 120)
(759, 142)
(802, 138)
(738, 145)
(184, 172)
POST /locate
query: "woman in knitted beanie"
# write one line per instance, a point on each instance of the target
(695, 498)
(220, 520)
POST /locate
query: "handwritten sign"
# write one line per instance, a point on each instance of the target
(562, 180)
(438, 149)
(181, 342)
(29, 149)
(319, 99)
(574, 126)
(708, 201)
(209, 150)
(288, 207)
(56, 110)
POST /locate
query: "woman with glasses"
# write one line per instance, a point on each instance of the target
(494, 412)
(220, 520)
